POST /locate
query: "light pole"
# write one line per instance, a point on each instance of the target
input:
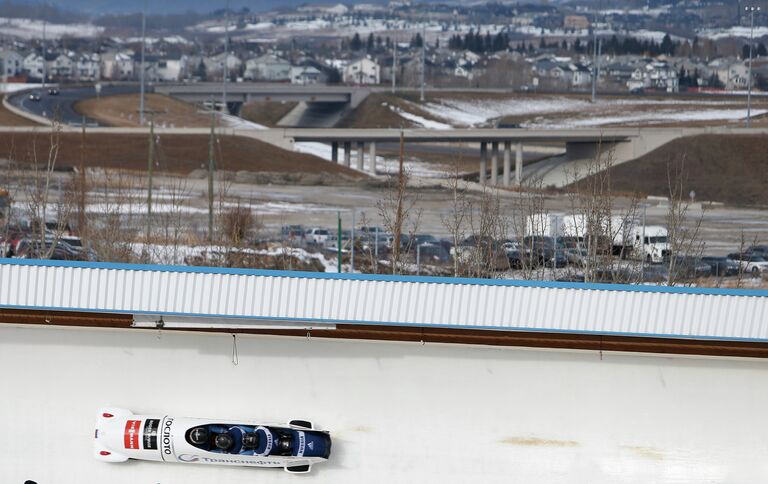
(142, 73)
(225, 71)
(751, 11)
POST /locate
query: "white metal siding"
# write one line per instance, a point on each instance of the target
(262, 295)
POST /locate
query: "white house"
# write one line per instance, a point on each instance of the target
(11, 63)
(166, 69)
(61, 67)
(34, 65)
(214, 65)
(117, 66)
(268, 67)
(88, 67)
(304, 75)
(364, 71)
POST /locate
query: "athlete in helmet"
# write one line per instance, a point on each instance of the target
(223, 441)
(199, 437)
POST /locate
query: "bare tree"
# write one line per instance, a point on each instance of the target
(397, 212)
(456, 220)
(683, 239)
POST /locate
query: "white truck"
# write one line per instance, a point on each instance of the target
(629, 238)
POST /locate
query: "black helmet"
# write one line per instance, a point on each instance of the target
(250, 440)
(199, 435)
(284, 444)
(223, 441)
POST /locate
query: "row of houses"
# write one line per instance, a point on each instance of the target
(125, 65)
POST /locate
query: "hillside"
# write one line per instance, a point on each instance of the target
(179, 154)
(729, 169)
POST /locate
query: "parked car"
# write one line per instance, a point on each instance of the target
(477, 249)
(425, 239)
(687, 267)
(761, 250)
(317, 235)
(34, 96)
(432, 253)
(721, 266)
(293, 232)
(754, 264)
(53, 91)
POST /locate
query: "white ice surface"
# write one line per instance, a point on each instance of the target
(398, 413)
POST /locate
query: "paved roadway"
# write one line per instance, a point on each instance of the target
(399, 412)
(64, 102)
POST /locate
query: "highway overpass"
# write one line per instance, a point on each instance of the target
(78, 336)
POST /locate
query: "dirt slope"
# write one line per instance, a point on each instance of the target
(175, 153)
(729, 169)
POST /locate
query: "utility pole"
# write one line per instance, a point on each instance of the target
(394, 66)
(751, 11)
(225, 72)
(142, 73)
(594, 64)
(45, 64)
(150, 163)
(81, 194)
(423, 59)
(211, 168)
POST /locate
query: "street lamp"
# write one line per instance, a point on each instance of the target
(751, 11)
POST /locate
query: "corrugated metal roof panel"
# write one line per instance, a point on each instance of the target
(366, 299)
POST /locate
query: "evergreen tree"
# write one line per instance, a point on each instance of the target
(761, 50)
(369, 43)
(417, 41)
(667, 47)
(356, 43)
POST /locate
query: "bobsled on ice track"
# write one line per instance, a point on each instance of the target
(296, 446)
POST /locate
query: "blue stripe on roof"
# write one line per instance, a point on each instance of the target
(393, 278)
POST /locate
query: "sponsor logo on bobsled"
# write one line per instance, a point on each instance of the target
(131, 434)
(302, 443)
(227, 460)
(311, 445)
(166, 437)
(150, 433)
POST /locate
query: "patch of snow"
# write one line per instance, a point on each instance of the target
(320, 150)
(10, 87)
(240, 123)
(650, 117)
(736, 31)
(33, 29)
(425, 123)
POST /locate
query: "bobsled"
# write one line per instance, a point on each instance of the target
(296, 446)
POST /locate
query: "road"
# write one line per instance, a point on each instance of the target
(64, 102)
(398, 412)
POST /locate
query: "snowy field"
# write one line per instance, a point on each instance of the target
(33, 29)
(572, 112)
(398, 412)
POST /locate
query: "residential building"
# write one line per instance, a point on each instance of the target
(363, 71)
(268, 67)
(11, 63)
(305, 75)
(118, 66)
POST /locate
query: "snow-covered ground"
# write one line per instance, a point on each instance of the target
(398, 412)
(574, 112)
(33, 29)
(737, 31)
(11, 87)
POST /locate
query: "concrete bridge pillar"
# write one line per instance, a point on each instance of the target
(507, 161)
(372, 154)
(519, 164)
(360, 154)
(335, 151)
(495, 163)
(347, 153)
(483, 162)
